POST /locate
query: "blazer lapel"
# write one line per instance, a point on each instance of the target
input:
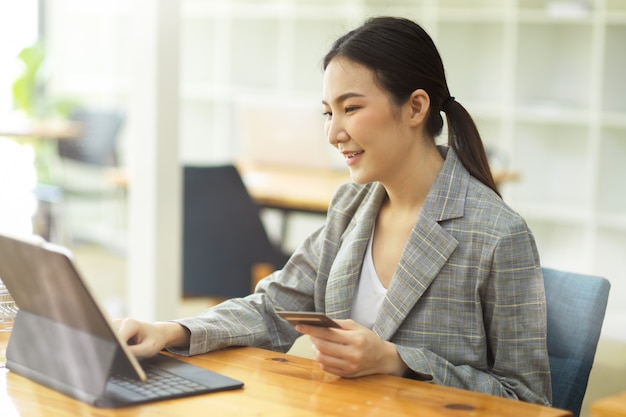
(346, 270)
(427, 251)
(428, 247)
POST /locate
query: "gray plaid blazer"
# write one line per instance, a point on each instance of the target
(465, 308)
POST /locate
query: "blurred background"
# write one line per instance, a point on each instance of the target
(170, 83)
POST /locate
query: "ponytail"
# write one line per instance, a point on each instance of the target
(464, 138)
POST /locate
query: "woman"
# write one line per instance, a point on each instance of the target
(430, 274)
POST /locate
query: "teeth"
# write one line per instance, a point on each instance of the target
(352, 155)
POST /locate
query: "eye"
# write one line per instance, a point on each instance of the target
(327, 114)
(350, 109)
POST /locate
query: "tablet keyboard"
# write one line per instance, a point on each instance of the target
(159, 384)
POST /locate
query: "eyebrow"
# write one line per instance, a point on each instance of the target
(344, 97)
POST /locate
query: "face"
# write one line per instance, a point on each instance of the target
(362, 123)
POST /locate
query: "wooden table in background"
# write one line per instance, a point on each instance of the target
(614, 406)
(39, 129)
(275, 385)
(292, 188)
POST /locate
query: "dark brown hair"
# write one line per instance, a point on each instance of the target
(404, 58)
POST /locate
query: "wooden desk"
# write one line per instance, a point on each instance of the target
(614, 406)
(292, 188)
(277, 385)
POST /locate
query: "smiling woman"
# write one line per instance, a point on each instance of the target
(427, 271)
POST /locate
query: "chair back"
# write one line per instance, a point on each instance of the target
(98, 142)
(576, 304)
(223, 235)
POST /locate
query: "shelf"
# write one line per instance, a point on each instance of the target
(332, 11)
(552, 18)
(470, 76)
(613, 221)
(608, 256)
(614, 120)
(557, 9)
(256, 60)
(615, 6)
(312, 39)
(612, 171)
(559, 245)
(197, 52)
(555, 213)
(205, 92)
(385, 3)
(196, 126)
(616, 18)
(551, 113)
(475, 6)
(614, 85)
(554, 66)
(554, 165)
(471, 15)
(480, 109)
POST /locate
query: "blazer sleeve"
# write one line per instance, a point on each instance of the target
(514, 313)
(299, 286)
(252, 320)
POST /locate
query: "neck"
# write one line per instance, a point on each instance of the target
(408, 189)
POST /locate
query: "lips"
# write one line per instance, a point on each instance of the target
(349, 155)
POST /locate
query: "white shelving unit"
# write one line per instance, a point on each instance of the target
(544, 80)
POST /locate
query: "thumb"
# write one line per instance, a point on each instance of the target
(348, 324)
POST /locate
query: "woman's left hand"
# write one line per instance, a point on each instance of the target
(353, 350)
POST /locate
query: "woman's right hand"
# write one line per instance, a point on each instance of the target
(147, 339)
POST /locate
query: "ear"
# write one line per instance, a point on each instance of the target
(418, 106)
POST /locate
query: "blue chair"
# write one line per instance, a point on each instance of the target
(576, 304)
(98, 143)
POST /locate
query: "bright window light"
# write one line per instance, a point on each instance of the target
(18, 29)
(18, 179)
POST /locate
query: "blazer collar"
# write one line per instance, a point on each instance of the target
(446, 198)
(346, 270)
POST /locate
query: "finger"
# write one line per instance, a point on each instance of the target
(337, 366)
(330, 349)
(336, 371)
(130, 332)
(140, 351)
(326, 333)
(348, 324)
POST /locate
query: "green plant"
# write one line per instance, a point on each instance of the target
(29, 87)
(29, 97)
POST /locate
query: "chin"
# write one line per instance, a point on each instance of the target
(359, 178)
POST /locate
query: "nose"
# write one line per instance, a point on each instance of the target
(335, 133)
